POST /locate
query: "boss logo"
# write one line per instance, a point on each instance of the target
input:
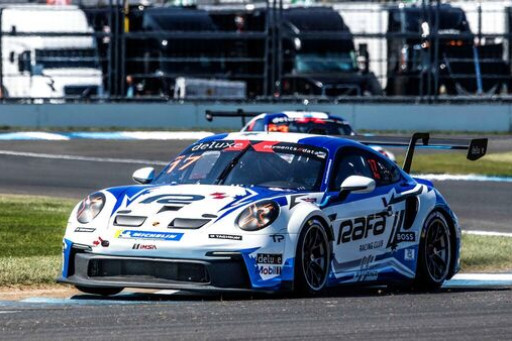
(405, 237)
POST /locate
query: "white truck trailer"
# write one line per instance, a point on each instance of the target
(38, 63)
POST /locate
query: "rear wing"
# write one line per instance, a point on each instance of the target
(210, 114)
(476, 148)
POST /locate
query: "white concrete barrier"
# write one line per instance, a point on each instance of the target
(190, 116)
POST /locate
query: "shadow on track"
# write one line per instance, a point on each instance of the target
(340, 292)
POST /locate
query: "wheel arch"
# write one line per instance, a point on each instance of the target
(450, 219)
(305, 212)
(454, 242)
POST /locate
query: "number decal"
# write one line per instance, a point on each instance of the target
(174, 163)
(189, 161)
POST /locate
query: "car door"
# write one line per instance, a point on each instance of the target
(362, 223)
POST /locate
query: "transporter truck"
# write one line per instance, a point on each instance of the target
(38, 62)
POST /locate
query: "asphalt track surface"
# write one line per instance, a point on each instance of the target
(479, 205)
(363, 314)
(344, 313)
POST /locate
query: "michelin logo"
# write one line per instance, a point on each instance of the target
(133, 234)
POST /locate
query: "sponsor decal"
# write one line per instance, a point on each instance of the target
(225, 236)
(265, 146)
(144, 247)
(405, 237)
(172, 199)
(219, 195)
(85, 229)
(239, 145)
(268, 270)
(213, 145)
(362, 227)
(277, 238)
(269, 258)
(100, 241)
(298, 198)
(365, 272)
(409, 254)
(134, 234)
(371, 246)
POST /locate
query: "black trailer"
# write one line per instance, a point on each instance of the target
(432, 51)
(320, 58)
(275, 52)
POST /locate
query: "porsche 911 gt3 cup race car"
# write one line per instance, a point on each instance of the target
(266, 212)
(305, 122)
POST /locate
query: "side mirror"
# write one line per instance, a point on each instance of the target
(144, 175)
(357, 184)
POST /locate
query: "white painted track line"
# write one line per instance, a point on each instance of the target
(81, 158)
(489, 233)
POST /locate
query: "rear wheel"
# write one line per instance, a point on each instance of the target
(435, 253)
(312, 258)
(100, 291)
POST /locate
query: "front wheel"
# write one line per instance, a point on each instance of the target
(100, 291)
(435, 253)
(312, 258)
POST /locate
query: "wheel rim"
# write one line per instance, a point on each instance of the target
(314, 258)
(437, 250)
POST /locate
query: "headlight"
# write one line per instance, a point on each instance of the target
(90, 207)
(258, 215)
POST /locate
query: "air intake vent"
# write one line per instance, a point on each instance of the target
(183, 223)
(129, 220)
(170, 208)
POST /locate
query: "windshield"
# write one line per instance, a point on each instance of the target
(310, 126)
(66, 58)
(248, 163)
(321, 62)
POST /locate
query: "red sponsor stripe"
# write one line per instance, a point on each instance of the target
(239, 145)
(265, 146)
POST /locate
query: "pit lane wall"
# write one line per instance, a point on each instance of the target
(190, 116)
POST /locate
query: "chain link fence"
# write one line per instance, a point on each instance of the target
(115, 50)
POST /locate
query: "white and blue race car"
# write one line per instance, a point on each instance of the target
(266, 212)
(305, 122)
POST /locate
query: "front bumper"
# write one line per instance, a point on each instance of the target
(218, 271)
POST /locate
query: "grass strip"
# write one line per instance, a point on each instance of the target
(31, 231)
(486, 253)
(23, 271)
(496, 164)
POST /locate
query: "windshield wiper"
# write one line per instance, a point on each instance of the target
(230, 166)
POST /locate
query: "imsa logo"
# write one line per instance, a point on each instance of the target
(143, 247)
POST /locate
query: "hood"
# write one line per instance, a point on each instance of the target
(159, 206)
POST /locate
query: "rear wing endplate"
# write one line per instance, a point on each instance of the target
(476, 148)
(210, 114)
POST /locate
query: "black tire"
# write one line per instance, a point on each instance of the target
(434, 253)
(99, 291)
(313, 259)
